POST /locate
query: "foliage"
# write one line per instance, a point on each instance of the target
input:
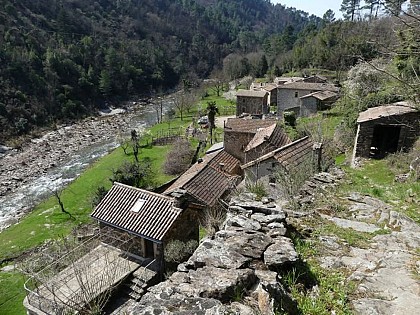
(290, 118)
(179, 159)
(213, 218)
(257, 188)
(99, 195)
(177, 251)
(61, 61)
(137, 174)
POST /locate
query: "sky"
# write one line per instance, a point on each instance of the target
(313, 6)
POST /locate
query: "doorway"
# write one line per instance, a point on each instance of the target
(385, 140)
(150, 252)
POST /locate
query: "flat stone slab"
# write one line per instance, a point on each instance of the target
(355, 225)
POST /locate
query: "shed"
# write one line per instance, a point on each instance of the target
(386, 129)
(313, 102)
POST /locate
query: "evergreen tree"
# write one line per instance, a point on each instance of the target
(350, 9)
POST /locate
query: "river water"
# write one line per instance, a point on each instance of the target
(15, 204)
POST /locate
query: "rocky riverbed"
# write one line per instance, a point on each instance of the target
(59, 150)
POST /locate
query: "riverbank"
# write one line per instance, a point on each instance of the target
(66, 147)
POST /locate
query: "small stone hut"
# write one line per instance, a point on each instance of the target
(386, 129)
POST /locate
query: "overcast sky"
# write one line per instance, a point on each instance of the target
(312, 6)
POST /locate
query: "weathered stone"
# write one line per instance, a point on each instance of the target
(216, 254)
(242, 222)
(247, 243)
(218, 283)
(269, 282)
(237, 308)
(176, 306)
(267, 219)
(279, 253)
(277, 231)
(355, 225)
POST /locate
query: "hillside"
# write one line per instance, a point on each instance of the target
(59, 60)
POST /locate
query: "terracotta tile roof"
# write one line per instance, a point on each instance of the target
(309, 86)
(321, 95)
(208, 180)
(295, 153)
(270, 86)
(209, 185)
(247, 125)
(394, 109)
(272, 134)
(251, 93)
(229, 162)
(137, 211)
(289, 155)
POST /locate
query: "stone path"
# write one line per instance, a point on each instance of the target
(387, 270)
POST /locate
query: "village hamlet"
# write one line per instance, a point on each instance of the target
(126, 264)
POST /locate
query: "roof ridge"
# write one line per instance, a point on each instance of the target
(144, 191)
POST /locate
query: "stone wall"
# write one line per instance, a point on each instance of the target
(235, 143)
(185, 228)
(410, 131)
(251, 105)
(309, 106)
(289, 98)
(237, 271)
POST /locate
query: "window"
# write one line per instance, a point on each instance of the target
(296, 94)
(138, 205)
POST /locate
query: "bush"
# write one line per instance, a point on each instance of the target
(179, 158)
(136, 174)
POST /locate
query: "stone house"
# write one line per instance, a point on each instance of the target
(246, 138)
(271, 89)
(150, 219)
(209, 180)
(311, 103)
(386, 129)
(289, 94)
(298, 157)
(252, 102)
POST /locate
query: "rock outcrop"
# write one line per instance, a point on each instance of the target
(234, 272)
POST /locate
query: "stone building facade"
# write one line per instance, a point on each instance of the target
(386, 129)
(252, 102)
(289, 95)
(239, 132)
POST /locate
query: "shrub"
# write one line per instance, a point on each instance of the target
(179, 158)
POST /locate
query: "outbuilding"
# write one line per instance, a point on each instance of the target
(386, 129)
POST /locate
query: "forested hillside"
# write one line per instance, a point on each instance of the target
(59, 59)
(62, 59)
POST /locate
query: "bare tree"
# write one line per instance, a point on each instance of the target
(184, 101)
(57, 194)
(218, 81)
(180, 158)
(213, 218)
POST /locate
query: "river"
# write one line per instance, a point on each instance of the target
(30, 176)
